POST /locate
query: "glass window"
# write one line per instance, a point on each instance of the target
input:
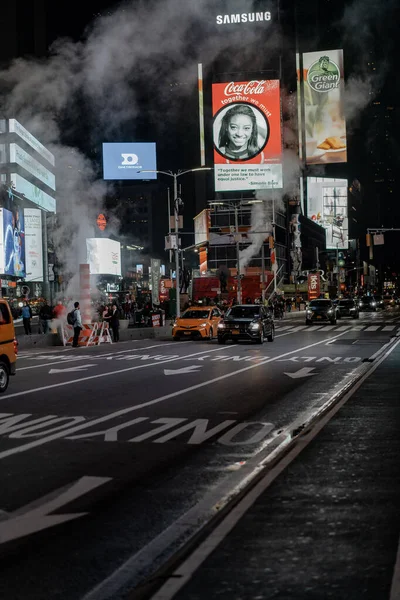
(4, 314)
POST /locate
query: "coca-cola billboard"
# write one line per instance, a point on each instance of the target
(247, 135)
(314, 286)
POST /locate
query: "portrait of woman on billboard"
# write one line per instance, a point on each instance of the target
(240, 132)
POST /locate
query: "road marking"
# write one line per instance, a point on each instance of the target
(31, 520)
(131, 409)
(95, 356)
(389, 328)
(328, 328)
(71, 369)
(313, 328)
(184, 370)
(304, 372)
(343, 328)
(372, 328)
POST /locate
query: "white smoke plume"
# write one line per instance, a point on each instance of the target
(94, 88)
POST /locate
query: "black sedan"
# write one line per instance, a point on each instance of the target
(246, 322)
(321, 310)
(348, 308)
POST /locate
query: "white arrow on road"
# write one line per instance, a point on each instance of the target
(304, 372)
(26, 521)
(189, 369)
(71, 369)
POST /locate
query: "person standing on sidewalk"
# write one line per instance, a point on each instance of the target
(26, 317)
(45, 316)
(114, 322)
(77, 325)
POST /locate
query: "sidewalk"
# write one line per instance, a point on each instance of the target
(38, 340)
(327, 527)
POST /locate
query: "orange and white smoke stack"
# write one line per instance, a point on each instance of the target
(85, 302)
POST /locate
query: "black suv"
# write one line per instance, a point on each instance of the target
(348, 308)
(321, 310)
(246, 322)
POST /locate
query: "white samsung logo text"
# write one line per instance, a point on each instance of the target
(243, 18)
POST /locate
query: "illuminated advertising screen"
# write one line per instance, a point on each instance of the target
(128, 160)
(103, 256)
(16, 127)
(33, 244)
(201, 227)
(324, 121)
(327, 206)
(33, 193)
(33, 166)
(12, 242)
(247, 135)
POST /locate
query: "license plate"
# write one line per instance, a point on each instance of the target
(319, 317)
(235, 332)
(187, 332)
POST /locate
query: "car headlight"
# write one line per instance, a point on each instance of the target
(175, 323)
(373, 303)
(309, 311)
(330, 311)
(221, 325)
(254, 326)
(203, 325)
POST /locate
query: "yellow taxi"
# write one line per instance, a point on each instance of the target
(8, 345)
(197, 322)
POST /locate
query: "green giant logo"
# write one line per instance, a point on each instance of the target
(323, 75)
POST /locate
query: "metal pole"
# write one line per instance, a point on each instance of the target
(46, 287)
(337, 271)
(176, 215)
(239, 281)
(169, 233)
(275, 266)
(263, 272)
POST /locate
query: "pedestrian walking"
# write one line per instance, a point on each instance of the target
(77, 324)
(114, 322)
(45, 316)
(26, 318)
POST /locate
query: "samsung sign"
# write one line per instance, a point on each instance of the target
(130, 160)
(254, 17)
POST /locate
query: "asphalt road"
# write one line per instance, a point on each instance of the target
(113, 456)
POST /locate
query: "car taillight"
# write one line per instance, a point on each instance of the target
(16, 346)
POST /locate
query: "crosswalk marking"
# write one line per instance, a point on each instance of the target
(348, 328)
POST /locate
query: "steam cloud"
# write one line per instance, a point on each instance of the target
(94, 88)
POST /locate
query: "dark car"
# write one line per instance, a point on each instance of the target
(321, 310)
(247, 322)
(367, 303)
(348, 308)
(379, 301)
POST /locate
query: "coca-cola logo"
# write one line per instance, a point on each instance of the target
(249, 87)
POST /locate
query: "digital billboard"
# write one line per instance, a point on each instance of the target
(324, 122)
(127, 160)
(327, 206)
(30, 164)
(247, 135)
(33, 244)
(32, 192)
(202, 223)
(12, 242)
(103, 256)
(16, 127)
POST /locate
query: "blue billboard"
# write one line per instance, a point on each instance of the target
(127, 160)
(13, 242)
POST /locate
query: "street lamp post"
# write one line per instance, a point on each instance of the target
(239, 281)
(176, 217)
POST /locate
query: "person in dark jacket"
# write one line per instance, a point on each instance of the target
(45, 316)
(114, 322)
